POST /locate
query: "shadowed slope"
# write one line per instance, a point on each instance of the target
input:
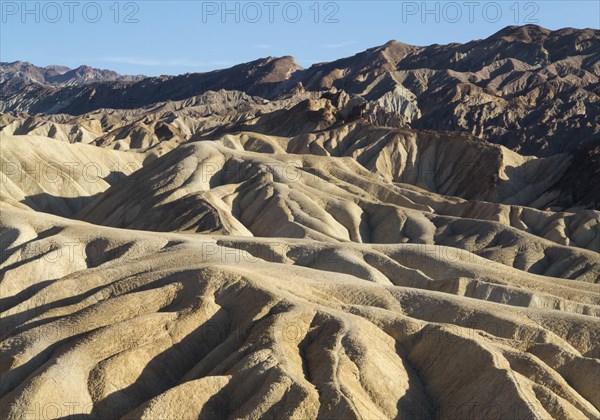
(206, 187)
(168, 315)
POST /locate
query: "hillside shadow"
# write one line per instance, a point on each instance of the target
(166, 369)
(69, 206)
(57, 205)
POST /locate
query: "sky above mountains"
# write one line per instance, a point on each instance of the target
(160, 37)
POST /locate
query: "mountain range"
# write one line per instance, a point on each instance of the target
(530, 89)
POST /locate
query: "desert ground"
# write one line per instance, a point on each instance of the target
(408, 233)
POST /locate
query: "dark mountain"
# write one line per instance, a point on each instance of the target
(257, 77)
(17, 75)
(26, 73)
(533, 90)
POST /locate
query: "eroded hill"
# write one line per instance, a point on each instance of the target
(368, 238)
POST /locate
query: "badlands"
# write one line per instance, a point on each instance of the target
(408, 233)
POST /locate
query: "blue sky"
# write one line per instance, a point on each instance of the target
(173, 37)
